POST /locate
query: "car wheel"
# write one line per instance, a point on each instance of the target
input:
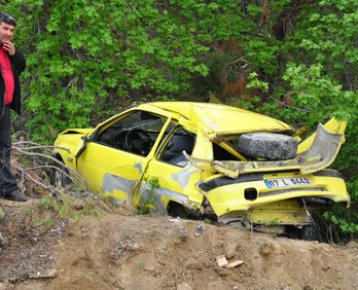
(310, 233)
(268, 146)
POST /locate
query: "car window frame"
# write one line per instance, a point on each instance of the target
(168, 138)
(104, 126)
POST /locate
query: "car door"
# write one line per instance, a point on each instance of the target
(174, 178)
(114, 160)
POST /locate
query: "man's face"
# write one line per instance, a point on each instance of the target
(6, 31)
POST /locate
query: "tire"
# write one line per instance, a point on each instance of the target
(269, 146)
(310, 233)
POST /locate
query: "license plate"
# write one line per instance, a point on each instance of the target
(285, 182)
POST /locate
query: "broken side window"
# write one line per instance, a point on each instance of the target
(180, 140)
(135, 133)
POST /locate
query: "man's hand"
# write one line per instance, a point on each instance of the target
(9, 47)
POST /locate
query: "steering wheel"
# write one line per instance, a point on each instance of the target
(138, 141)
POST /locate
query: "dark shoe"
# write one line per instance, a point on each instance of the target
(15, 196)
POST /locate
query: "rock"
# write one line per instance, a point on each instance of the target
(79, 207)
(197, 263)
(222, 272)
(122, 247)
(193, 265)
(184, 286)
(199, 230)
(78, 204)
(51, 273)
(84, 232)
(266, 249)
(2, 241)
(182, 232)
(230, 248)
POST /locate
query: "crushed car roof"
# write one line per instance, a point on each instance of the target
(223, 119)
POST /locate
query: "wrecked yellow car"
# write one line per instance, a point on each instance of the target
(208, 160)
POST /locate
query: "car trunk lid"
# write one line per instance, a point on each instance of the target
(314, 154)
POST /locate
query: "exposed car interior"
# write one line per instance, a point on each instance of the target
(222, 154)
(180, 141)
(135, 133)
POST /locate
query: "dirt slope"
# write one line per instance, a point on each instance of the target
(120, 251)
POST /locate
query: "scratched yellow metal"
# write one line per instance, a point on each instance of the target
(321, 151)
(125, 176)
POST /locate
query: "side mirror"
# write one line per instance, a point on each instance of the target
(83, 147)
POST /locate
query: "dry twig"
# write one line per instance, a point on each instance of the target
(42, 159)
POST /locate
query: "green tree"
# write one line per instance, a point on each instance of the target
(296, 60)
(99, 56)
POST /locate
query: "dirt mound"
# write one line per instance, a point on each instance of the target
(120, 251)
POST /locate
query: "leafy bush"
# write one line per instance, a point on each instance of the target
(295, 60)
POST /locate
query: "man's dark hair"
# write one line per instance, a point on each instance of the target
(7, 19)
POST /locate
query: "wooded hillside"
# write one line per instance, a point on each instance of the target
(294, 60)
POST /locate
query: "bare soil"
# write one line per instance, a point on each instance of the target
(122, 250)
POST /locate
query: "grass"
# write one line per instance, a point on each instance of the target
(67, 206)
(146, 203)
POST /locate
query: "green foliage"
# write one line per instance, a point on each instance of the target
(256, 83)
(2, 213)
(98, 56)
(147, 200)
(320, 94)
(36, 220)
(295, 60)
(64, 206)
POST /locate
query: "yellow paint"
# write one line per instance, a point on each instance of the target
(222, 119)
(284, 212)
(319, 155)
(127, 171)
(230, 198)
(332, 126)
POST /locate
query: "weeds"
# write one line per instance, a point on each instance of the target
(67, 206)
(147, 199)
(141, 266)
(2, 213)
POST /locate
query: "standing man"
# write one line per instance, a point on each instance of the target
(12, 63)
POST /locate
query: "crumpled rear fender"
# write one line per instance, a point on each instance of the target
(322, 149)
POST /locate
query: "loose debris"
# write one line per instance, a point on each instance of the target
(120, 251)
(234, 264)
(37, 166)
(223, 262)
(199, 230)
(50, 273)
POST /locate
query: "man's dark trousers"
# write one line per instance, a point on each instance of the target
(7, 179)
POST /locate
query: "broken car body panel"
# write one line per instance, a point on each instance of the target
(180, 153)
(251, 191)
(322, 152)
